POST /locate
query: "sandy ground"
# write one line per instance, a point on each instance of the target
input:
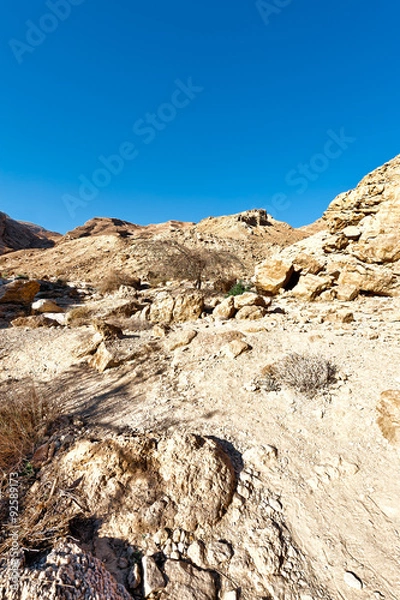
(336, 476)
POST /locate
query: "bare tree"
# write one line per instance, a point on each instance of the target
(196, 264)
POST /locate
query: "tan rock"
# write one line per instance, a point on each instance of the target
(188, 307)
(272, 275)
(250, 299)
(161, 310)
(251, 313)
(352, 232)
(34, 321)
(226, 309)
(153, 580)
(46, 306)
(235, 348)
(180, 338)
(310, 286)
(186, 582)
(19, 291)
(346, 292)
(368, 278)
(389, 415)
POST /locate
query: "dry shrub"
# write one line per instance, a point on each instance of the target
(25, 418)
(113, 281)
(81, 315)
(305, 373)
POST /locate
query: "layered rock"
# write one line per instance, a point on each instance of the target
(358, 252)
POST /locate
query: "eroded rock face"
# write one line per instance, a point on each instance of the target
(19, 291)
(361, 243)
(67, 573)
(181, 480)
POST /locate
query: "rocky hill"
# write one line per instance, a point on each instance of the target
(17, 235)
(171, 440)
(356, 252)
(85, 253)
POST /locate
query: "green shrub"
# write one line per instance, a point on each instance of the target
(239, 288)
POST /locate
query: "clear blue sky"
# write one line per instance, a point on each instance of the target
(272, 86)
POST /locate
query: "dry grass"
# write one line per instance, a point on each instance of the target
(305, 373)
(81, 315)
(25, 417)
(113, 281)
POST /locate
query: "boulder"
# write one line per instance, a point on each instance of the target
(188, 307)
(19, 291)
(187, 582)
(161, 311)
(310, 286)
(226, 309)
(347, 292)
(250, 299)
(153, 580)
(368, 278)
(272, 275)
(251, 313)
(235, 348)
(46, 306)
(180, 339)
(34, 321)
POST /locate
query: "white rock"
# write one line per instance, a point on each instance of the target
(45, 306)
(353, 581)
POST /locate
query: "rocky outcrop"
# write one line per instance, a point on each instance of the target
(167, 308)
(19, 291)
(15, 235)
(359, 251)
(67, 572)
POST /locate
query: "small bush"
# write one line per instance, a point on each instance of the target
(238, 289)
(25, 418)
(306, 373)
(81, 315)
(113, 281)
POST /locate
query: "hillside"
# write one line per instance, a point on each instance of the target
(17, 235)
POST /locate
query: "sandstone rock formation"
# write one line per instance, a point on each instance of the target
(358, 252)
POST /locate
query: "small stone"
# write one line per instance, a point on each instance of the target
(353, 581)
(160, 537)
(134, 577)
(153, 580)
(275, 504)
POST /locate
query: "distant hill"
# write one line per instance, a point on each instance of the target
(18, 235)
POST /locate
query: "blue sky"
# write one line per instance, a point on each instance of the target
(177, 110)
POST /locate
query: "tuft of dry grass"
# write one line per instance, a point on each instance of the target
(305, 373)
(25, 418)
(113, 281)
(81, 315)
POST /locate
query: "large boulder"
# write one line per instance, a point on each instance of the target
(273, 275)
(188, 307)
(167, 309)
(226, 309)
(19, 291)
(311, 286)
